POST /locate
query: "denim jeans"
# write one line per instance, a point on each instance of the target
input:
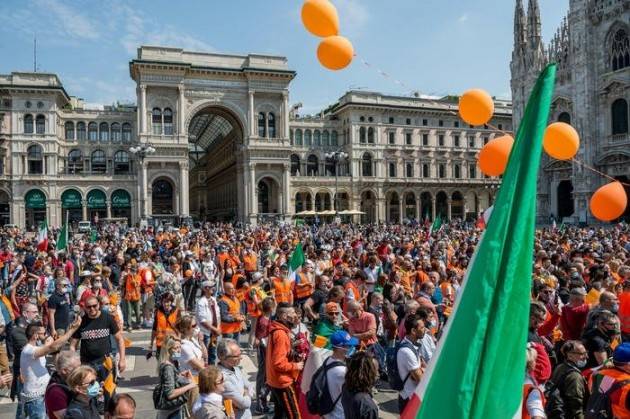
(212, 349)
(133, 307)
(35, 409)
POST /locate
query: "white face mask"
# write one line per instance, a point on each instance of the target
(581, 363)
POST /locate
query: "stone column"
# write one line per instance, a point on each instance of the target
(449, 205)
(253, 203)
(183, 186)
(418, 209)
(108, 204)
(401, 209)
(285, 189)
(143, 109)
(285, 114)
(180, 110)
(252, 117)
(85, 212)
(433, 214)
(143, 192)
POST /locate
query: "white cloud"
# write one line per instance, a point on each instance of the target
(463, 18)
(70, 21)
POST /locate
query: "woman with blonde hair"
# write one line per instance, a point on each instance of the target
(193, 351)
(210, 402)
(85, 389)
(173, 390)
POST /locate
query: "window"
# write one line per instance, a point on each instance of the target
(425, 170)
(317, 138)
(485, 140)
(441, 171)
(298, 137)
(457, 171)
(99, 164)
(156, 120)
(103, 132)
(408, 138)
(116, 132)
(620, 117)
(261, 124)
(425, 122)
(392, 169)
(471, 141)
(408, 121)
(441, 140)
(121, 162)
(325, 139)
(370, 136)
(370, 119)
(472, 170)
(126, 132)
(425, 139)
(456, 124)
(93, 131)
(291, 137)
(391, 119)
(312, 165)
(295, 164)
(392, 137)
(81, 134)
(620, 50)
(271, 123)
(362, 118)
(40, 124)
(69, 127)
(440, 123)
(456, 140)
(333, 139)
(168, 121)
(308, 138)
(409, 169)
(34, 155)
(75, 162)
(362, 135)
(564, 117)
(500, 126)
(366, 165)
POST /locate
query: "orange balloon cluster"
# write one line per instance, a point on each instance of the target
(320, 18)
(493, 157)
(561, 141)
(609, 202)
(476, 107)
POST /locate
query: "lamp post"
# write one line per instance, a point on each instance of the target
(141, 152)
(337, 157)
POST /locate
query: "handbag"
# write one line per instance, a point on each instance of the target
(160, 399)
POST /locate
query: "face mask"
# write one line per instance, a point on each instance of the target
(175, 356)
(93, 390)
(615, 308)
(105, 309)
(432, 324)
(581, 363)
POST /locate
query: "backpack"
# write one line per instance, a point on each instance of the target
(391, 360)
(318, 398)
(160, 400)
(555, 404)
(599, 405)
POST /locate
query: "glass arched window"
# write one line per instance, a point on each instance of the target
(28, 124)
(370, 136)
(126, 132)
(116, 132)
(362, 135)
(271, 123)
(298, 137)
(75, 162)
(168, 121)
(93, 131)
(156, 121)
(262, 132)
(619, 117)
(366, 165)
(312, 165)
(333, 139)
(308, 138)
(98, 162)
(564, 117)
(69, 128)
(81, 134)
(317, 138)
(325, 139)
(121, 162)
(620, 50)
(457, 171)
(103, 132)
(40, 124)
(295, 164)
(35, 157)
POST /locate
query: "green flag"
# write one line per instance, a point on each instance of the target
(62, 239)
(93, 236)
(478, 368)
(437, 223)
(297, 260)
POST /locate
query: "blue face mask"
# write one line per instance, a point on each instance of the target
(105, 309)
(93, 390)
(176, 355)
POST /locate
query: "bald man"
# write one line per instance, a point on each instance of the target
(607, 302)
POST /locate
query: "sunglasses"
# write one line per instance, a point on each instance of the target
(92, 306)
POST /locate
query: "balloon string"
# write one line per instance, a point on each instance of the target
(592, 169)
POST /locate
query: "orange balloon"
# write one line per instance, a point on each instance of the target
(561, 141)
(320, 18)
(476, 107)
(335, 52)
(609, 202)
(493, 157)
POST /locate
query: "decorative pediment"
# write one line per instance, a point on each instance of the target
(557, 165)
(561, 102)
(614, 158)
(614, 88)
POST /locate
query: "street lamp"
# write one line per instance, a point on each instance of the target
(337, 157)
(142, 151)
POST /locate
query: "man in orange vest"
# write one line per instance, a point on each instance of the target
(617, 391)
(282, 287)
(304, 284)
(166, 316)
(232, 318)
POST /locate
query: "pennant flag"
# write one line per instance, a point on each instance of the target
(478, 368)
(62, 239)
(437, 223)
(297, 260)
(42, 237)
(562, 227)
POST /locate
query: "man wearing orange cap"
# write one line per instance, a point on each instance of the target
(329, 324)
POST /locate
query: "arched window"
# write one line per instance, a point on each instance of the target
(81, 134)
(271, 124)
(262, 132)
(564, 117)
(362, 135)
(619, 117)
(308, 138)
(40, 124)
(93, 131)
(425, 170)
(121, 163)
(409, 169)
(442, 171)
(325, 139)
(98, 161)
(317, 138)
(333, 139)
(156, 120)
(312, 165)
(457, 171)
(620, 50)
(168, 121)
(116, 133)
(103, 132)
(75, 162)
(370, 135)
(28, 124)
(35, 157)
(472, 170)
(126, 132)
(298, 137)
(69, 126)
(366, 165)
(295, 165)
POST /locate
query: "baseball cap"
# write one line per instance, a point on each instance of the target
(208, 284)
(332, 308)
(341, 338)
(621, 355)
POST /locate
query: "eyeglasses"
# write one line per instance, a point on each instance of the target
(91, 383)
(579, 353)
(91, 306)
(235, 356)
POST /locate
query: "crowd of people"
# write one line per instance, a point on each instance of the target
(361, 312)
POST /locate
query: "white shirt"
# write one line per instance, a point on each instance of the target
(35, 374)
(407, 361)
(335, 378)
(190, 350)
(372, 277)
(207, 309)
(427, 347)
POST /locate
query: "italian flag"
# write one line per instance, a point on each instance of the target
(437, 224)
(478, 369)
(42, 237)
(297, 260)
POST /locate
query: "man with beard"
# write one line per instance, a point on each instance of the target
(18, 340)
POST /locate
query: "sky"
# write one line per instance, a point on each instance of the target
(435, 47)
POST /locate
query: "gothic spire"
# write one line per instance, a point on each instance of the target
(520, 27)
(533, 22)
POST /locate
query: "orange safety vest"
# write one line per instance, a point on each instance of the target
(249, 262)
(165, 326)
(242, 292)
(234, 308)
(624, 312)
(527, 389)
(235, 279)
(618, 404)
(282, 290)
(303, 287)
(253, 308)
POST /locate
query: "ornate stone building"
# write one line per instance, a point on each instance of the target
(592, 50)
(213, 137)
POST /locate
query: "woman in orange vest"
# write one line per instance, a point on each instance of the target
(305, 284)
(281, 286)
(166, 317)
(232, 319)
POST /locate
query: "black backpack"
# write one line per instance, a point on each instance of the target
(318, 398)
(391, 360)
(599, 405)
(554, 406)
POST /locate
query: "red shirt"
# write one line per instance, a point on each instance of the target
(55, 399)
(262, 327)
(362, 324)
(572, 321)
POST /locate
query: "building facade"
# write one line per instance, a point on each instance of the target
(592, 50)
(213, 137)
